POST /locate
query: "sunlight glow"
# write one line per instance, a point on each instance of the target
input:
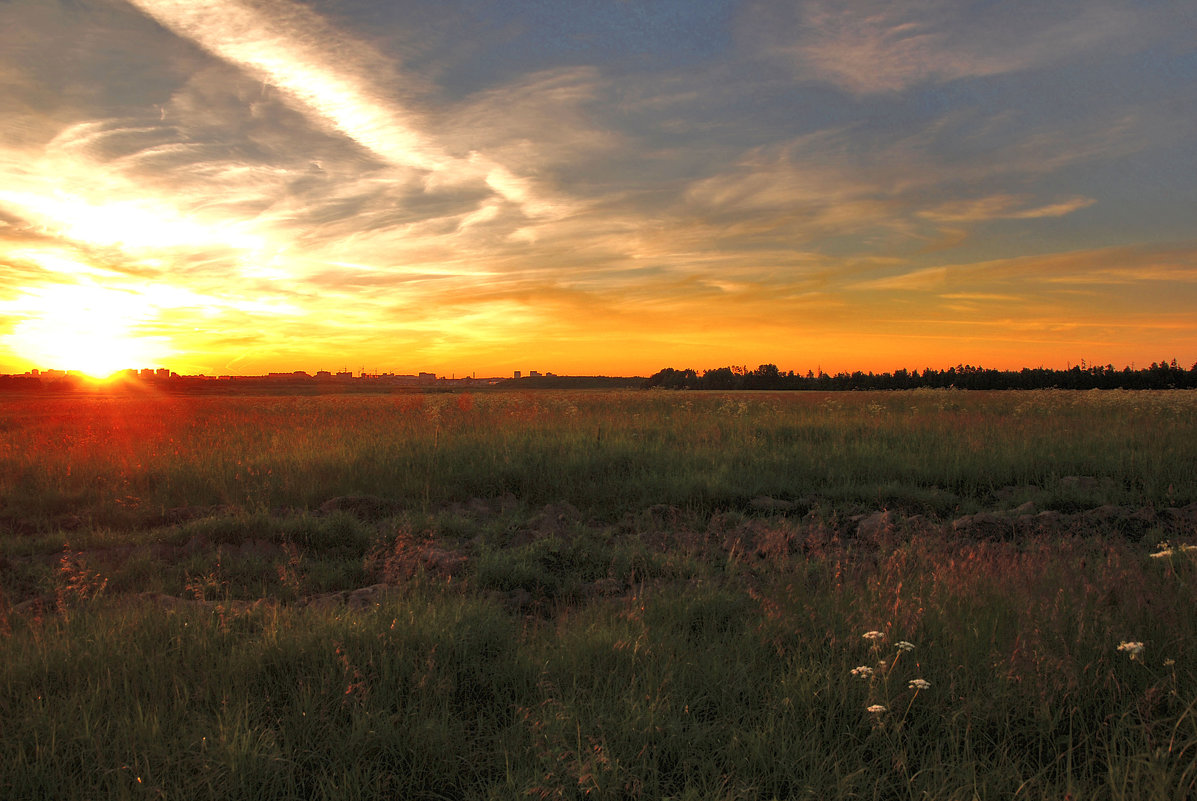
(85, 328)
(123, 223)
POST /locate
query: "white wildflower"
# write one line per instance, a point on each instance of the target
(919, 684)
(875, 636)
(864, 672)
(876, 709)
(904, 646)
(1132, 649)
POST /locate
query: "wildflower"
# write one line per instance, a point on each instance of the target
(1161, 554)
(919, 684)
(875, 636)
(876, 709)
(902, 645)
(1169, 662)
(864, 672)
(1132, 649)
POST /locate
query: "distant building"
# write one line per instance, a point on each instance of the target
(533, 374)
(518, 374)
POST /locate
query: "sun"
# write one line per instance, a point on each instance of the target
(88, 329)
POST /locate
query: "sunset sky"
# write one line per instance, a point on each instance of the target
(598, 187)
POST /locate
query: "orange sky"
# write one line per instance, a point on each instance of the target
(244, 186)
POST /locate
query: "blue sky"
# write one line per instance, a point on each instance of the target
(595, 187)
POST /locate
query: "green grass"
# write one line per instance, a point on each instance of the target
(582, 602)
(127, 462)
(713, 687)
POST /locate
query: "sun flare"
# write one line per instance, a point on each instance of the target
(89, 330)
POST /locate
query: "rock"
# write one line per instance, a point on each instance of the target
(764, 503)
(328, 600)
(984, 526)
(876, 526)
(1049, 520)
(367, 597)
(1106, 514)
(1181, 517)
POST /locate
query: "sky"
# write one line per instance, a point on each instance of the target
(473, 187)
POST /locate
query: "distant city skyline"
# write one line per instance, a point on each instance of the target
(245, 186)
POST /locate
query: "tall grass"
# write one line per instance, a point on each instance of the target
(122, 461)
(725, 686)
(666, 640)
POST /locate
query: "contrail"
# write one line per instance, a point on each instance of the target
(299, 53)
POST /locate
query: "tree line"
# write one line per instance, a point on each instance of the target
(1160, 375)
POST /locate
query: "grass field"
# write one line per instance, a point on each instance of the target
(600, 595)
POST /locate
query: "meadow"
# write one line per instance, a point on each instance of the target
(928, 594)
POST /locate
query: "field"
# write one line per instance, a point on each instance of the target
(604, 595)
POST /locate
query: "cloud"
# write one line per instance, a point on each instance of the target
(877, 46)
(1002, 207)
(927, 186)
(336, 81)
(1051, 273)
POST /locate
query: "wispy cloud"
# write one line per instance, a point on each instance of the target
(1002, 207)
(1042, 273)
(935, 184)
(871, 46)
(336, 80)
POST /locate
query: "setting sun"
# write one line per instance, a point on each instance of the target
(86, 329)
